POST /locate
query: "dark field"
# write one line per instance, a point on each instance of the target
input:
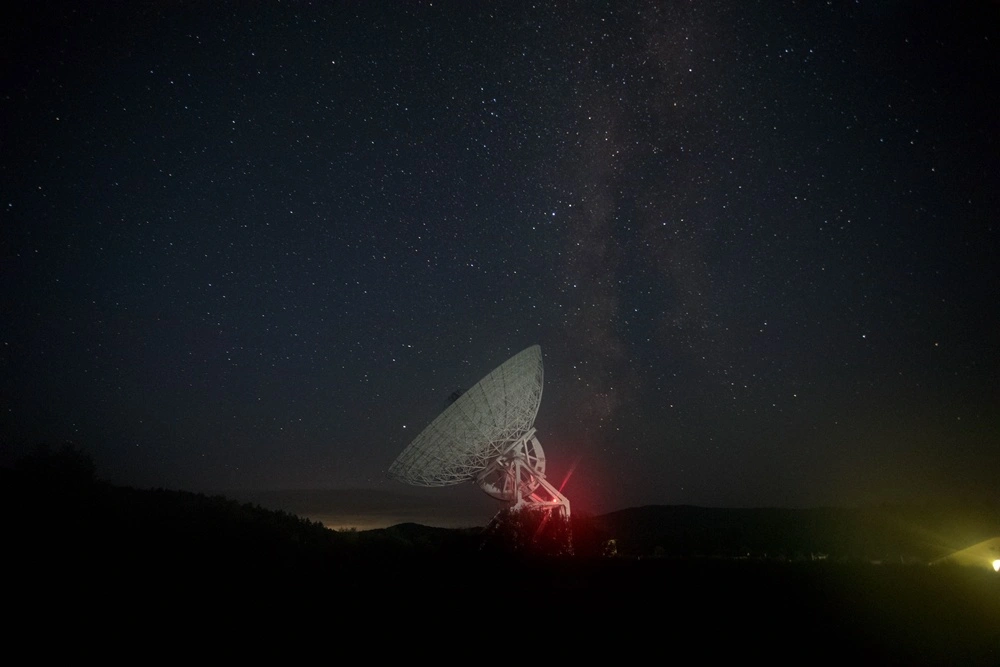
(94, 560)
(787, 612)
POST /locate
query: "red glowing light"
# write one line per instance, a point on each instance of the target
(541, 525)
(569, 474)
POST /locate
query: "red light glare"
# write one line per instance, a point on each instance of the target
(569, 474)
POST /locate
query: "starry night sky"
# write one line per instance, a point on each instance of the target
(258, 245)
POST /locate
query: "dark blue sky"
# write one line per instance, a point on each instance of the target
(258, 245)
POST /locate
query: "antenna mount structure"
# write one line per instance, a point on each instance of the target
(487, 435)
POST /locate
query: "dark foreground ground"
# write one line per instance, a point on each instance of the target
(92, 570)
(786, 613)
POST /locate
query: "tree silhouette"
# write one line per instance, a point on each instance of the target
(528, 532)
(65, 465)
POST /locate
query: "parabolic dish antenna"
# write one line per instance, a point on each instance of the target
(487, 435)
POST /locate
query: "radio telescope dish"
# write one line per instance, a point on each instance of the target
(487, 435)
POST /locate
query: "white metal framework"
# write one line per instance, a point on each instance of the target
(518, 476)
(487, 436)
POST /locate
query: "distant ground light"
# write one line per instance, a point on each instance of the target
(376, 521)
(977, 555)
(360, 509)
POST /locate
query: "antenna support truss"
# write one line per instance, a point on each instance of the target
(517, 476)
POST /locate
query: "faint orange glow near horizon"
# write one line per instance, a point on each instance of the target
(372, 521)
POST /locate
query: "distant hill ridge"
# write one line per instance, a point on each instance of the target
(894, 532)
(87, 509)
